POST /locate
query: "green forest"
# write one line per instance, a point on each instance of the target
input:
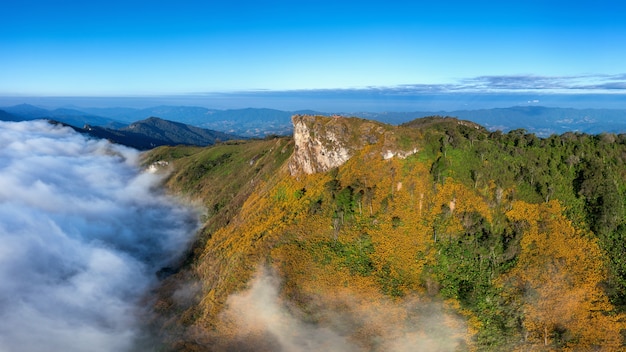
(518, 240)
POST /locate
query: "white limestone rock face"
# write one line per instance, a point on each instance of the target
(388, 154)
(319, 147)
(323, 143)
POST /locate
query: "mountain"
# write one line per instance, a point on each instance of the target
(68, 116)
(143, 135)
(187, 114)
(130, 139)
(154, 132)
(5, 116)
(543, 121)
(176, 133)
(121, 114)
(438, 234)
(78, 118)
(258, 122)
(26, 111)
(248, 122)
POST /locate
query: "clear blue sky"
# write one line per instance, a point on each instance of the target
(174, 47)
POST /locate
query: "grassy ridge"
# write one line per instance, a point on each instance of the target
(521, 236)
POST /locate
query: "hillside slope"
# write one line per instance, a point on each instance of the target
(154, 132)
(176, 133)
(436, 235)
(5, 116)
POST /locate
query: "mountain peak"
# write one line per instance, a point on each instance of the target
(439, 122)
(27, 111)
(323, 143)
(173, 133)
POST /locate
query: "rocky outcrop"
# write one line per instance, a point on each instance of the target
(320, 144)
(323, 143)
(402, 154)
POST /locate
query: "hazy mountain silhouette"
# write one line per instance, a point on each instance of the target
(259, 122)
(154, 132)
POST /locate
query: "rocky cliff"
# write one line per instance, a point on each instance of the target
(322, 143)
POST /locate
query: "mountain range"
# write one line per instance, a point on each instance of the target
(257, 122)
(153, 132)
(248, 122)
(540, 120)
(144, 134)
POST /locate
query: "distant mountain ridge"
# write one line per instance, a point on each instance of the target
(259, 122)
(540, 120)
(248, 122)
(176, 132)
(5, 116)
(26, 111)
(72, 117)
(154, 132)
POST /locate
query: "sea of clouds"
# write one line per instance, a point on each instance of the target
(82, 233)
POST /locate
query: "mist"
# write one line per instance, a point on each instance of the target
(259, 319)
(83, 231)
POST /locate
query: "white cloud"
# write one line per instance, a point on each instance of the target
(83, 232)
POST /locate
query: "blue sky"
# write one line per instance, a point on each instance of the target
(92, 48)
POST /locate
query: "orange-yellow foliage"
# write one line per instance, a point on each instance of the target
(559, 272)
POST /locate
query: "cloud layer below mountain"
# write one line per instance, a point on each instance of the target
(83, 232)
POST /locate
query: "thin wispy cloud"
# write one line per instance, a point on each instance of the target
(479, 92)
(592, 83)
(518, 82)
(587, 83)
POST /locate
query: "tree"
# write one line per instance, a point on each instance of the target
(558, 276)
